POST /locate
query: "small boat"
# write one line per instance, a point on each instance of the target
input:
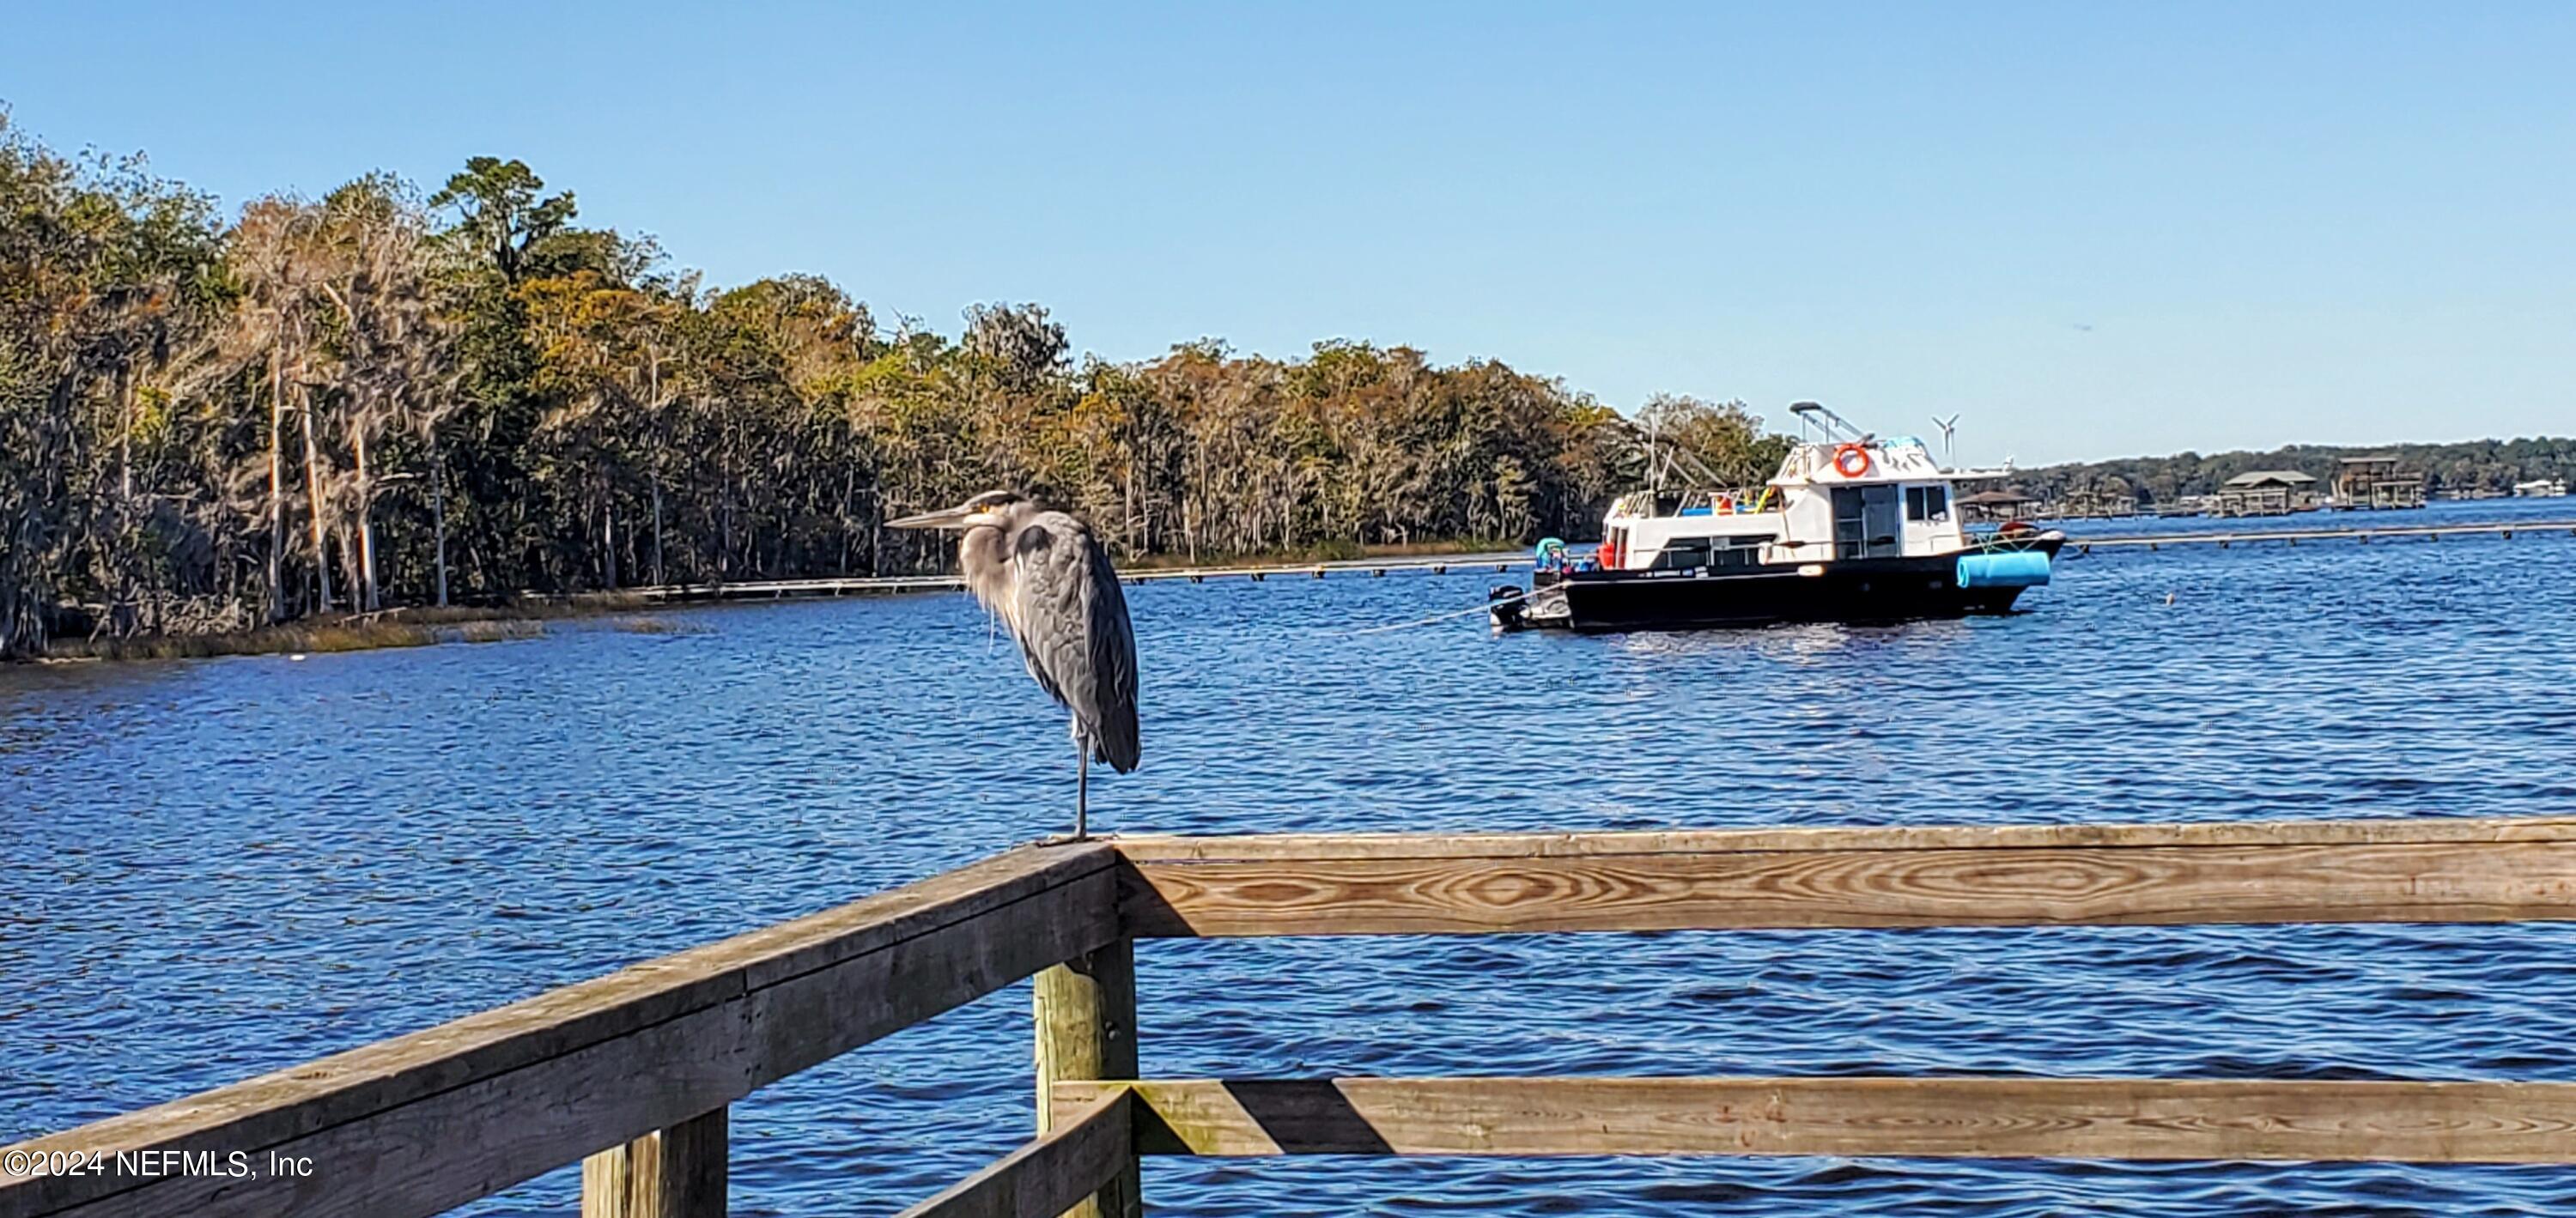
(1854, 528)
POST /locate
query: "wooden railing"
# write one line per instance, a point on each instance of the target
(631, 1073)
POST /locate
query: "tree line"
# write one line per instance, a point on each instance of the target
(380, 397)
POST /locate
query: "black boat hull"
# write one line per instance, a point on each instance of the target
(1852, 590)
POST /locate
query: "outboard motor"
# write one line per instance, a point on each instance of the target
(1504, 603)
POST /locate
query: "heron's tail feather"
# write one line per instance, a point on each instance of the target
(1116, 742)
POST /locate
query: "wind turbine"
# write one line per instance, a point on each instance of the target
(1949, 439)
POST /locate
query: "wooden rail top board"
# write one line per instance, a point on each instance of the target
(2417, 870)
(1175, 848)
(2082, 1118)
(423, 1123)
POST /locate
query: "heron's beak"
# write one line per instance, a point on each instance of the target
(944, 518)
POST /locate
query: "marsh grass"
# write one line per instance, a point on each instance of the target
(424, 626)
(339, 635)
(498, 631)
(655, 625)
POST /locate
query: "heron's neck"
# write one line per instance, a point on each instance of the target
(986, 564)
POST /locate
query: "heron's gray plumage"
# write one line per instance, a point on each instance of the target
(1050, 581)
(1070, 617)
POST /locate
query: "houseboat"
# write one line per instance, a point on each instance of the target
(1854, 527)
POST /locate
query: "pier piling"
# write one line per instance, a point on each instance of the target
(677, 1172)
(1086, 1031)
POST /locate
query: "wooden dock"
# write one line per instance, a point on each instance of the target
(631, 1074)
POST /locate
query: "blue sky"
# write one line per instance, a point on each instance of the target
(2095, 230)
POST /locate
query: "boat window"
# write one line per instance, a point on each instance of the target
(1688, 553)
(1681, 554)
(1927, 503)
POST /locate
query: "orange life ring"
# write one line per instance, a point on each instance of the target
(1843, 455)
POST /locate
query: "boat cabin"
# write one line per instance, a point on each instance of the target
(1853, 499)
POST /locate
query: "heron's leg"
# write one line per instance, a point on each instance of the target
(1081, 793)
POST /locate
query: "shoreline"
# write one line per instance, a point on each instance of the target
(430, 626)
(632, 610)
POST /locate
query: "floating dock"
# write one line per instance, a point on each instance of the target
(880, 585)
(2432, 532)
(876, 585)
(632, 1074)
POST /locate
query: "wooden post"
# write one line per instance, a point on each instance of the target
(1086, 1029)
(677, 1172)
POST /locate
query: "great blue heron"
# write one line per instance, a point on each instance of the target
(1050, 581)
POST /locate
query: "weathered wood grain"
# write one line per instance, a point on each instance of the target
(1839, 885)
(2427, 1122)
(1314, 847)
(422, 1123)
(1088, 1148)
(1085, 1015)
(679, 1172)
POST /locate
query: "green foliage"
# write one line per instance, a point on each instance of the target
(1724, 437)
(104, 272)
(500, 218)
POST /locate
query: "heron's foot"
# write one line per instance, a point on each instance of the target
(1068, 839)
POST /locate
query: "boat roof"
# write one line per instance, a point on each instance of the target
(1892, 459)
(2286, 477)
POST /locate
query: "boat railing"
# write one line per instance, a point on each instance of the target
(631, 1074)
(1988, 540)
(1666, 505)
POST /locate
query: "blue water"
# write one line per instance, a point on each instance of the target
(215, 869)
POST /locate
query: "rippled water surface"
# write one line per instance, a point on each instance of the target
(213, 869)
